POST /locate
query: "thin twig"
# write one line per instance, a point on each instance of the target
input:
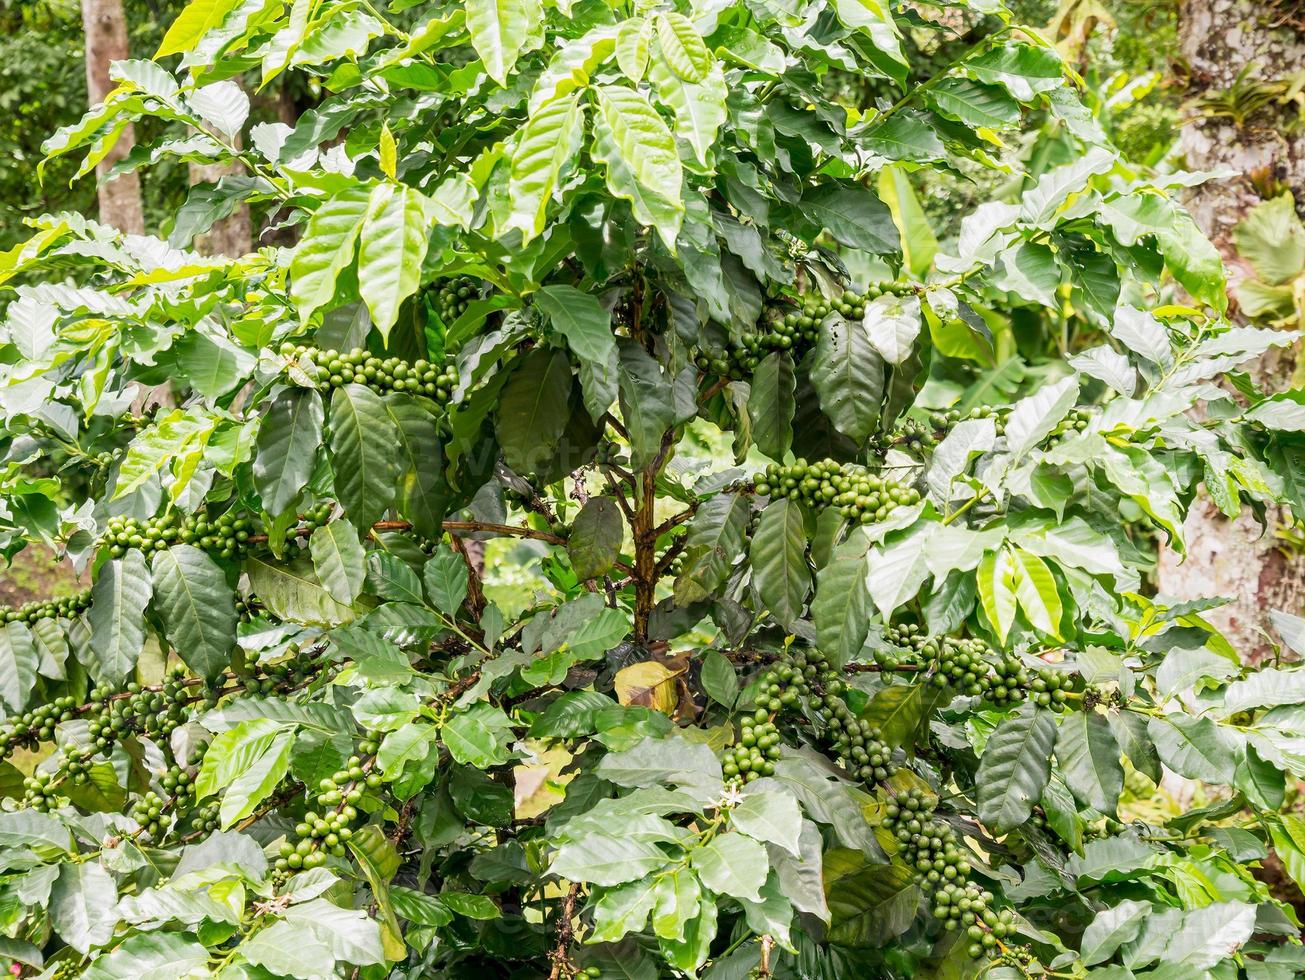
(561, 961)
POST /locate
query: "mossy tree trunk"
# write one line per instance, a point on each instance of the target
(1218, 40)
(105, 26)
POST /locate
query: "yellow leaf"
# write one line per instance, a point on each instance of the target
(389, 152)
(649, 685)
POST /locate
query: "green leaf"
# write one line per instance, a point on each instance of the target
(326, 249)
(195, 20)
(636, 147)
(197, 606)
(501, 30)
(771, 404)
(233, 752)
(587, 327)
(394, 240)
(19, 662)
(533, 410)
(597, 533)
(393, 578)
(1015, 767)
(1035, 589)
(1024, 70)
(352, 935)
(472, 738)
(292, 591)
(1265, 688)
(603, 860)
(1032, 419)
(119, 596)
(841, 609)
(1194, 747)
(770, 816)
(445, 577)
(699, 107)
(732, 864)
(853, 215)
(362, 453)
(848, 375)
(682, 46)
(150, 956)
(421, 495)
(893, 324)
(83, 905)
(869, 904)
(623, 909)
(778, 556)
(1112, 928)
(648, 403)
(339, 560)
(919, 244)
(952, 456)
(902, 711)
(1089, 760)
(896, 570)
(572, 714)
(719, 678)
(258, 781)
(976, 105)
(1272, 238)
(547, 146)
(289, 437)
(713, 543)
(288, 950)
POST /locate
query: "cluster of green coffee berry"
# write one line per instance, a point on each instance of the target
(861, 496)
(910, 435)
(800, 674)
(452, 297)
(333, 369)
(969, 907)
(65, 608)
(928, 845)
(225, 536)
(151, 810)
(757, 750)
(855, 742)
(788, 326)
(1076, 421)
(943, 422)
(155, 713)
(36, 725)
(320, 834)
(933, 851)
(248, 607)
(969, 667)
(41, 791)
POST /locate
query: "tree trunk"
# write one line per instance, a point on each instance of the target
(233, 236)
(1218, 39)
(106, 42)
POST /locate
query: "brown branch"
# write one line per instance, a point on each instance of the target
(507, 530)
(713, 391)
(565, 933)
(681, 518)
(619, 495)
(475, 593)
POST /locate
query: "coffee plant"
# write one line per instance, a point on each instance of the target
(846, 663)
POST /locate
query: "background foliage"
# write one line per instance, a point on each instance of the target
(839, 654)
